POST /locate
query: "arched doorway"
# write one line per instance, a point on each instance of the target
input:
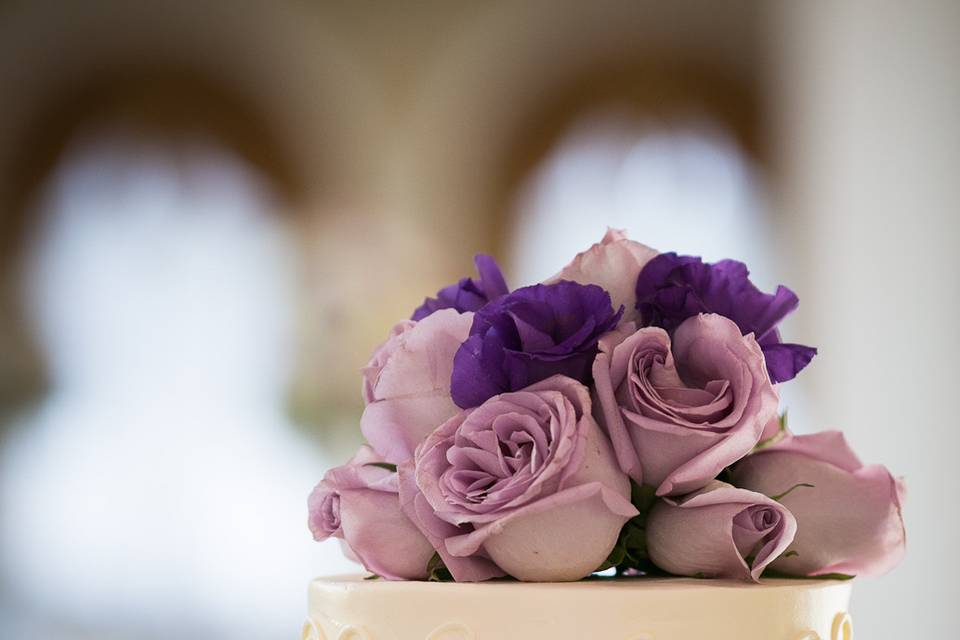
(160, 275)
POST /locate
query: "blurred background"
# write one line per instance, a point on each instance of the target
(211, 212)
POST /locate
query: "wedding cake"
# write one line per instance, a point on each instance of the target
(600, 455)
(616, 609)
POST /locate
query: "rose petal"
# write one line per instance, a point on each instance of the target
(850, 520)
(386, 541)
(648, 391)
(396, 426)
(563, 537)
(613, 264)
(695, 536)
(407, 383)
(463, 569)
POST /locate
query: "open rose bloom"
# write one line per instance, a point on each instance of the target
(527, 481)
(621, 416)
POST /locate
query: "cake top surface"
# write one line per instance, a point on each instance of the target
(592, 584)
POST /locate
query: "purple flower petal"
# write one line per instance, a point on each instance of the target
(672, 288)
(468, 294)
(784, 361)
(529, 335)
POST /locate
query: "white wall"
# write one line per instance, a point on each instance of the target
(869, 95)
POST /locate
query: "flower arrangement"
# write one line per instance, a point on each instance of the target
(621, 416)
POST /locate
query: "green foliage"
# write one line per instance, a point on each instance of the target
(630, 552)
(773, 573)
(777, 437)
(437, 571)
(392, 468)
(780, 496)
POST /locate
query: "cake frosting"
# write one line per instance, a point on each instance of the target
(351, 608)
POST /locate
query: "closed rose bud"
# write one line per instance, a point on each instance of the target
(613, 264)
(849, 521)
(359, 503)
(718, 532)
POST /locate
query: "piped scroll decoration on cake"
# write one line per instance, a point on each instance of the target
(353, 632)
(842, 627)
(311, 630)
(452, 631)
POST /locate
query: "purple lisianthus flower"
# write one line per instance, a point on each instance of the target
(672, 288)
(529, 335)
(468, 294)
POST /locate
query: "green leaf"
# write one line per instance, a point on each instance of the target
(790, 554)
(630, 551)
(437, 571)
(617, 554)
(372, 576)
(382, 465)
(780, 496)
(643, 496)
(773, 573)
(777, 437)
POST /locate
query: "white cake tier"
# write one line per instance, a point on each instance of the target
(350, 608)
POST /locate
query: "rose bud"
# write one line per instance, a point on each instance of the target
(526, 482)
(529, 335)
(718, 532)
(672, 288)
(612, 264)
(406, 384)
(850, 519)
(678, 413)
(468, 294)
(360, 504)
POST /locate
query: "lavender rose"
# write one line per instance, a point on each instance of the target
(613, 264)
(672, 288)
(468, 294)
(360, 504)
(678, 414)
(529, 335)
(406, 384)
(850, 520)
(525, 483)
(719, 532)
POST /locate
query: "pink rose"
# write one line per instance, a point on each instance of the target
(850, 520)
(359, 503)
(406, 384)
(719, 532)
(678, 414)
(614, 264)
(525, 484)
